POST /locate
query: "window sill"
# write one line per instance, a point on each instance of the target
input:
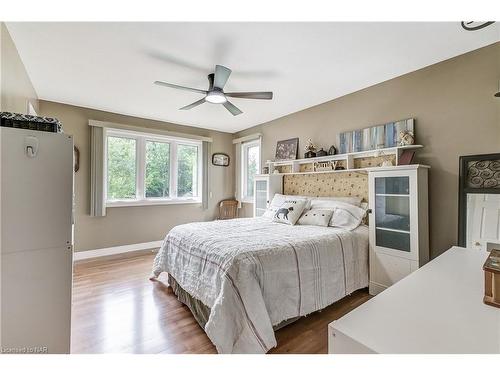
(247, 200)
(152, 202)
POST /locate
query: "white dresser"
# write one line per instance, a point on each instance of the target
(399, 225)
(437, 309)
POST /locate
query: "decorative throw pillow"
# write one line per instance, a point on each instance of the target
(290, 211)
(317, 216)
(347, 216)
(327, 202)
(278, 201)
(356, 201)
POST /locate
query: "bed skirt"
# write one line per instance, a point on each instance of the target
(200, 311)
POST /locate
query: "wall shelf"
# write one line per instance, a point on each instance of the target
(348, 160)
(393, 230)
(358, 170)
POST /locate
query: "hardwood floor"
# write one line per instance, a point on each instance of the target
(117, 309)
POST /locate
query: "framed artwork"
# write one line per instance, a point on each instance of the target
(375, 137)
(220, 159)
(406, 157)
(287, 149)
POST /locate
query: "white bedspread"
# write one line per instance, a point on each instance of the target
(254, 274)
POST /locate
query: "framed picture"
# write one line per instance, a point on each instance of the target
(406, 157)
(375, 137)
(220, 159)
(287, 149)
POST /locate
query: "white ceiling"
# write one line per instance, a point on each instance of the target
(112, 66)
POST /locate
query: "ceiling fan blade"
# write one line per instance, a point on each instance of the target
(160, 83)
(192, 105)
(268, 95)
(221, 76)
(210, 82)
(235, 111)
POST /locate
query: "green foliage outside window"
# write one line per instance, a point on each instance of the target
(157, 169)
(252, 163)
(187, 172)
(121, 168)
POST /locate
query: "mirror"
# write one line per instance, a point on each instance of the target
(479, 202)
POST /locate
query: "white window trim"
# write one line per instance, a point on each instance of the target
(140, 155)
(244, 158)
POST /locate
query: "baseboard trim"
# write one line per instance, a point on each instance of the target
(88, 254)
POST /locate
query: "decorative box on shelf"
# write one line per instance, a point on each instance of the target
(28, 122)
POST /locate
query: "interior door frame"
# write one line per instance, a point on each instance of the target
(463, 190)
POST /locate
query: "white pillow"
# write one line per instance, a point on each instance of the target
(290, 211)
(278, 201)
(327, 203)
(347, 216)
(317, 216)
(356, 201)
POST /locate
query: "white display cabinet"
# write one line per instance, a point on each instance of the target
(399, 224)
(264, 189)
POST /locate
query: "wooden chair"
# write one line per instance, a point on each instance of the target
(228, 209)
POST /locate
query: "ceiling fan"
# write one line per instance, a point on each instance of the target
(215, 93)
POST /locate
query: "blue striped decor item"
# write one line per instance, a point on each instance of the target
(375, 137)
(391, 138)
(357, 140)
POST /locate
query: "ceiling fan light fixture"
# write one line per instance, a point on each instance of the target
(216, 97)
(215, 93)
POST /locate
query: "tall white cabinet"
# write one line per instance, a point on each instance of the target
(265, 186)
(36, 240)
(399, 223)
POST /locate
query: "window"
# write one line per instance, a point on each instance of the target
(146, 169)
(250, 158)
(121, 168)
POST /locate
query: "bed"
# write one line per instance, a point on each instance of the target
(244, 278)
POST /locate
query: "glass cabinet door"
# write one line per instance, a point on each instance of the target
(392, 212)
(260, 197)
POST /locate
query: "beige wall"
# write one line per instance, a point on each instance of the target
(455, 111)
(15, 84)
(130, 225)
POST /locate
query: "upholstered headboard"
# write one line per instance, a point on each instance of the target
(335, 184)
